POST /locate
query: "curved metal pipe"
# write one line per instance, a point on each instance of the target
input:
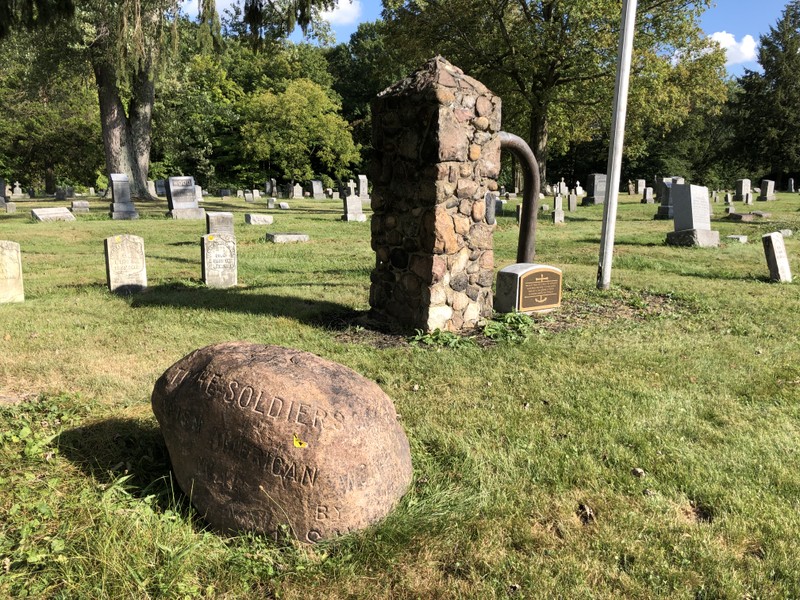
(526, 248)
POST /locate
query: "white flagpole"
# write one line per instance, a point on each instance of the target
(616, 143)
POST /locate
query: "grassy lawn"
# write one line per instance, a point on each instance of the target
(689, 369)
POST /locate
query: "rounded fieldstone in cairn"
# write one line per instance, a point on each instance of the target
(271, 440)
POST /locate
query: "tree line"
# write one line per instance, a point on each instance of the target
(93, 87)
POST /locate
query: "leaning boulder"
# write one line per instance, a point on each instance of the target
(271, 440)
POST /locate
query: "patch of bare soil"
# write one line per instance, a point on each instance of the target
(357, 327)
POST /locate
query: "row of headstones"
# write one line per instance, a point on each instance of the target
(62, 193)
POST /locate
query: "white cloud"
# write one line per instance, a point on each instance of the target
(347, 12)
(737, 52)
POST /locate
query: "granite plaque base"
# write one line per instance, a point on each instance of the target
(528, 288)
(701, 238)
(196, 214)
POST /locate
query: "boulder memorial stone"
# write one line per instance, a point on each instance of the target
(777, 259)
(182, 200)
(219, 222)
(219, 261)
(437, 154)
(692, 217)
(11, 286)
(121, 207)
(278, 442)
(126, 271)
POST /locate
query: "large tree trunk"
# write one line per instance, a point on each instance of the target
(538, 137)
(126, 136)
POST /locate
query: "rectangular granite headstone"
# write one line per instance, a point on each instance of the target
(743, 186)
(80, 207)
(317, 193)
(767, 190)
(257, 219)
(60, 213)
(692, 215)
(126, 271)
(220, 266)
(596, 189)
(122, 207)
(777, 259)
(219, 222)
(353, 210)
(11, 288)
(182, 200)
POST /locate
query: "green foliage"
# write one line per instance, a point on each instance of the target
(509, 327)
(441, 339)
(298, 131)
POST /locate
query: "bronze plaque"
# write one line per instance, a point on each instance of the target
(540, 290)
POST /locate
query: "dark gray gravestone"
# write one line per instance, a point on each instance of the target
(2, 188)
(743, 186)
(219, 222)
(182, 200)
(126, 271)
(220, 266)
(161, 187)
(11, 288)
(596, 189)
(122, 207)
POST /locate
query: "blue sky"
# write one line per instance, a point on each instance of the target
(735, 24)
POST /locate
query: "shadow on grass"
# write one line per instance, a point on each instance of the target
(311, 312)
(114, 448)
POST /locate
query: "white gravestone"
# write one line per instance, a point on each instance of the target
(777, 259)
(126, 271)
(122, 207)
(182, 200)
(219, 222)
(11, 288)
(220, 266)
(52, 214)
(692, 215)
(353, 210)
(257, 219)
(767, 190)
(743, 186)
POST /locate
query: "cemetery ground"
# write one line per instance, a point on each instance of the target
(639, 443)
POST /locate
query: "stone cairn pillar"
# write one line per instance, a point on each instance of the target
(437, 154)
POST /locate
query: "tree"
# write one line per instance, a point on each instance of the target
(125, 41)
(768, 109)
(298, 131)
(553, 61)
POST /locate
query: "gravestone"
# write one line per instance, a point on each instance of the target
(741, 239)
(3, 193)
(729, 199)
(224, 192)
(256, 194)
(641, 185)
(11, 286)
(647, 197)
(500, 205)
(363, 190)
(562, 188)
(595, 189)
(60, 213)
(767, 190)
(161, 187)
(121, 207)
(317, 193)
(790, 185)
(283, 205)
(351, 188)
(257, 219)
(437, 154)
(61, 193)
(281, 442)
(80, 207)
(287, 238)
(297, 191)
(528, 288)
(248, 196)
(748, 198)
(353, 210)
(664, 195)
(181, 199)
(558, 210)
(572, 202)
(219, 261)
(126, 272)
(271, 202)
(17, 191)
(240, 193)
(198, 193)
(151, 187)
(11, 208)
(777, 259)
(715, 196)
(70, 191)
(743, 186)
(92, 192)
(578, 189)
(692, 217)
(219, 222)
(273, 188)
(631, 188)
